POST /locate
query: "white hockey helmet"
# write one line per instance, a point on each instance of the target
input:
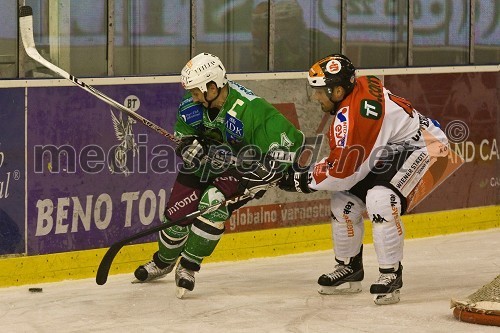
(202, 69)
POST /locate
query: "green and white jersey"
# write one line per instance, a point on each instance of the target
(245, 119)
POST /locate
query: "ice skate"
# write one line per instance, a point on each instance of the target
(386, 288)
(153, 270)
(184, 279)
(351, 273)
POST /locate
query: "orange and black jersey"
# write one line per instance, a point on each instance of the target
(371, 125)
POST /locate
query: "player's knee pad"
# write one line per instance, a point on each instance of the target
(171, 241)
(207, 229)
(203, 238)
(347, 224)
(173, 237)
(384, 209)
(210, 197)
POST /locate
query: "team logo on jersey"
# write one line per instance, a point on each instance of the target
(234, 129)
(341, 127)
(276, 148)
(371, 109)
(192, 115)
(285, 140)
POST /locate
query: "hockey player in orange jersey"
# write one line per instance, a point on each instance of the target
(380, 150)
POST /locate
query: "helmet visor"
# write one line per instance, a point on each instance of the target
(313, 92)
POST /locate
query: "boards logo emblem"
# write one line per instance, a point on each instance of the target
(125, 135)
(371, 109)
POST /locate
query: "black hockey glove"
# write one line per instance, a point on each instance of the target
(295, 180)
(192, 149)
(259, 179)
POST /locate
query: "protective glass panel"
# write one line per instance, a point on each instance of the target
(487, 32)
(304, 32)
(258, 47)
(88, 36)
(71, 35)
(8, 40)
(377, 33)
(223, 28)
(41, 35)
(441, 33)
(151, 36)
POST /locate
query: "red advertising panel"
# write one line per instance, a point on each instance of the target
(466, 105)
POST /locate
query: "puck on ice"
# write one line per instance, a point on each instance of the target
(35, 290)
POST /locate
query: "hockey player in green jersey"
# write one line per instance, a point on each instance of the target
(216, 115)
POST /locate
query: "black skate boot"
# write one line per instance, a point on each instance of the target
(351, 272)
(153, 270)
(386, 288)
(184, 279)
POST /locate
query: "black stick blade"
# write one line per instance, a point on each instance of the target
(105, 265)
(25, 11)
(109, 256)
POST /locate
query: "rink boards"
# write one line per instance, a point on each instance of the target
(71, 185)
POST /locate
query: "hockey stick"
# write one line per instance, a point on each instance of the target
(26, 28)
(105, 265)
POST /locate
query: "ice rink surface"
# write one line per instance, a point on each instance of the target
(268, 295)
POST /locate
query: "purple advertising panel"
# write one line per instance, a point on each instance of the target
(12, 209)
(466, 105)
(96, 176)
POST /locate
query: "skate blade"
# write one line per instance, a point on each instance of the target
(354, 287)
(180, 292)
(149, 280)
(385, 299)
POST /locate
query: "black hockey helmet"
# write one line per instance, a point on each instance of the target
(331, 71)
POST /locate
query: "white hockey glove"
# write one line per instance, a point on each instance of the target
(192, 150)
(196, 151)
